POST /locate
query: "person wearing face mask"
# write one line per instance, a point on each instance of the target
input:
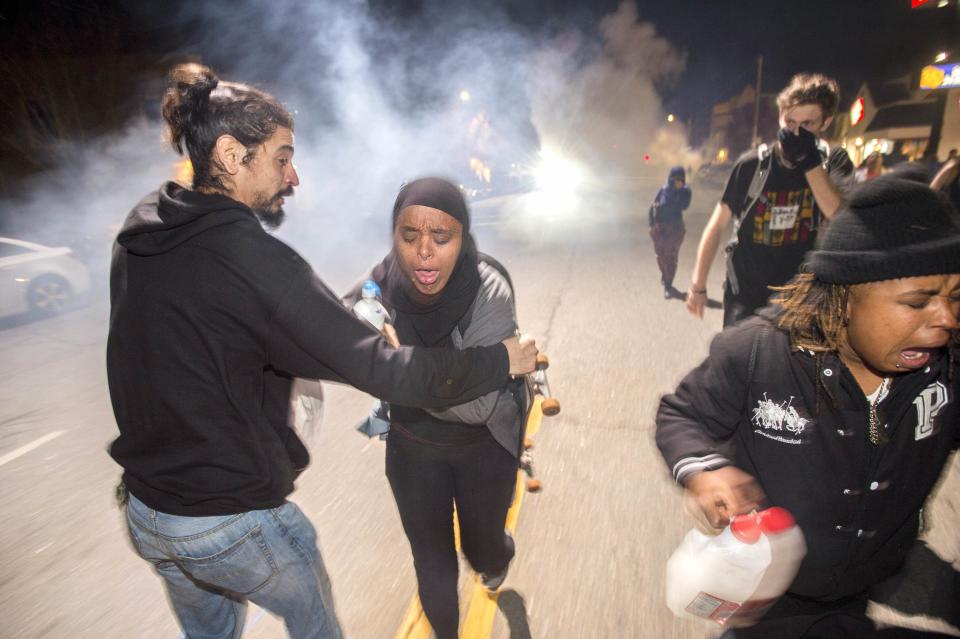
(838, 402)
(442, 293)
(777, 197)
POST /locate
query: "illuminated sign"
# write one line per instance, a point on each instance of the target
(940, 76)
(856, 112)
(918, 3)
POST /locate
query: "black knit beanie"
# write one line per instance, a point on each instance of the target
(435, 193)
(890, 227)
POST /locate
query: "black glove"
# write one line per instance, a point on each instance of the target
(800, 149)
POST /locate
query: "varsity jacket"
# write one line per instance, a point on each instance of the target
(798, 423)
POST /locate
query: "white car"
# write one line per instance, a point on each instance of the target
(39, 279)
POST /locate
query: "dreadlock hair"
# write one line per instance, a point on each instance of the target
(812, 312)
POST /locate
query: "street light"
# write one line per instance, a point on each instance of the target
(941, 57)
(670, 118)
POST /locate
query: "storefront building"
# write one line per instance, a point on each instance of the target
(901, 121)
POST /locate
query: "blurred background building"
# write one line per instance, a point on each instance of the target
(902, 120)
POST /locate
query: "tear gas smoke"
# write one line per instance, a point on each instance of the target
(379, 100)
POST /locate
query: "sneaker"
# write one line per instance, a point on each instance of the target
(493, 580)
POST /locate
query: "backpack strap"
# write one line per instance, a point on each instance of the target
(464, 322)
(492, 261)
(759, 180)
(754, 193)
(752, 363)
(762, 172)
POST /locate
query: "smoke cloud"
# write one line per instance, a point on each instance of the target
(380, 99)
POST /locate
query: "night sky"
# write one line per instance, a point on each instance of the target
(853, 40)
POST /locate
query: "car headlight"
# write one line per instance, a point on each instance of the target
(557, 173)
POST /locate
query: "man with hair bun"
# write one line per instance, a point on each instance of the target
(211, 320)
(777, 197)
(838, 403)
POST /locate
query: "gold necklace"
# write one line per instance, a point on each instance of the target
(874, 433)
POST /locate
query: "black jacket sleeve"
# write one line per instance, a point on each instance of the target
(315, 336)
(708, 405)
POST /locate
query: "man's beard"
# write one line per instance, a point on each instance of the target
(270, 219)
(262, 206)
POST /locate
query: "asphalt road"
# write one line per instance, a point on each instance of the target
(591, 546)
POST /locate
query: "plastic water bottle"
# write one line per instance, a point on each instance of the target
(732, 578)
(368, 307)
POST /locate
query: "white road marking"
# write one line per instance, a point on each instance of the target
(26, 448)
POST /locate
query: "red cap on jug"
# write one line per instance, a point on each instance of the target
(776, 520)
(745, 528)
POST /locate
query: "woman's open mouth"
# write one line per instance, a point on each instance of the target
(914, 358)
(426, 277)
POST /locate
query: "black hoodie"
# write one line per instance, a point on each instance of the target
(210, 319)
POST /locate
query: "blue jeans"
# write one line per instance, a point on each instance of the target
(211, 566)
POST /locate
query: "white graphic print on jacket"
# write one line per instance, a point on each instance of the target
(929, 403)
(780, 421)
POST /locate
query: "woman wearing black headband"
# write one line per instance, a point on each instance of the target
(441, 292)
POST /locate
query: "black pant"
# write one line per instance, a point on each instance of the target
(667, 239)
(794, 617)
(426, 481)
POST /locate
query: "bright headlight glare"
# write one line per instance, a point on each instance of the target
(556, 172)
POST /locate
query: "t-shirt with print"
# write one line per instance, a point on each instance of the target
(780, 228)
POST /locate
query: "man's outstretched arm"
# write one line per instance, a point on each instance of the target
(706, 252)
